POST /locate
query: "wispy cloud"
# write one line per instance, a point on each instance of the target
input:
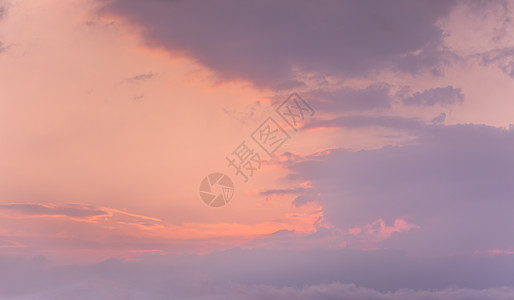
(72, 210)
(142, 77)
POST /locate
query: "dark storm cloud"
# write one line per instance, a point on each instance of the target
(266, 42)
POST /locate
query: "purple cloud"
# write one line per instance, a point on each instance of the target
(359, 121)
(439, 119)
(503, 58)
(454, 182)
(303, 194)
(443, 96)
(267, 42)
(264, 274)
(347, 99)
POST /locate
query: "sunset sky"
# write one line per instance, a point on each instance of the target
(399, 184)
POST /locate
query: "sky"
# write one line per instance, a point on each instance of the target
(378, 139)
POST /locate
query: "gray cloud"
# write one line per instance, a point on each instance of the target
(267, 42)
(442, 96)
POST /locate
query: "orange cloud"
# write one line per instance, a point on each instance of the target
(67, 228)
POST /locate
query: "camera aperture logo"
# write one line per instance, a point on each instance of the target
(217, 189)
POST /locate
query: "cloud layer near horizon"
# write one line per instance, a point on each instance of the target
(264, 274)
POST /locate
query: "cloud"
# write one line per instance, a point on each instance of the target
(67, 209)
(3, 12)
(9, 244)
(263, 274)
(142, 77)
(101, 232)
(439, 119)
(349, 99)
(2, 48)
(454, 182)
(503, 58)
(302, 195)
(273, 43)
(443, 96)
(359, 121)
(77, 211)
